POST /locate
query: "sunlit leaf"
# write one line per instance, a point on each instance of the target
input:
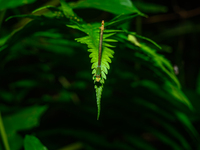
(32, 143)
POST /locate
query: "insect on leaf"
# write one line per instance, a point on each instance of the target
(100, 53)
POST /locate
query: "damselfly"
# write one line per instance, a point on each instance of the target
(98, 69)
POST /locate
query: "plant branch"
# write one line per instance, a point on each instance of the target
(3, 134)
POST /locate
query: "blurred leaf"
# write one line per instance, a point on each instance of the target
(193, 96)
(173, 145)
(150, 7)
(68, 11)
(139, 143)
(3, 40)
(25, 83)
(177, 94)
(164, 120)
(187, 123)
(48, 34)
(174, 132)
(167, 91)
(80, 85)
(25, 119)
(165, 69)
(132, 39)
(149, 57)
(14, 3)
(6, 95)
(113, 6)
(45, 7)
(119, 20)
(24, 16)
(147, 39)
(32, 143)
(64, 96)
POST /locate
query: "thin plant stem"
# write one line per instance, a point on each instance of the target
(3, 134)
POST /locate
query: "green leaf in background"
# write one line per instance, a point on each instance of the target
(68, 11)
(185, 120)
(166, 140)
(49, 7)
(167, 90)
(150, 7)
(23, 16)
(25, 83)
(113, 6)
(139, 143)
(3, 40)
(14, 3)
(130, 36)
(32, 143)
(160, 62)
(24, 119)
(154, 61)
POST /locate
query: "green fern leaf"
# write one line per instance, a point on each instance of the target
(92, 41)
(162, 63)
(99, 90)
(149, 55)
(145, 38)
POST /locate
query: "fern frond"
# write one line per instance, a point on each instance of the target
(144, 38)
(92, 41)
(153, 60)
(99, 90)
(162, 63)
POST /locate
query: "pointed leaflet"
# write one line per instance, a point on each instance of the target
(99, 90)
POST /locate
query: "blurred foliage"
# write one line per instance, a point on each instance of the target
(13, 3)
(116, 7)
(32, 143)
(47, 96)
